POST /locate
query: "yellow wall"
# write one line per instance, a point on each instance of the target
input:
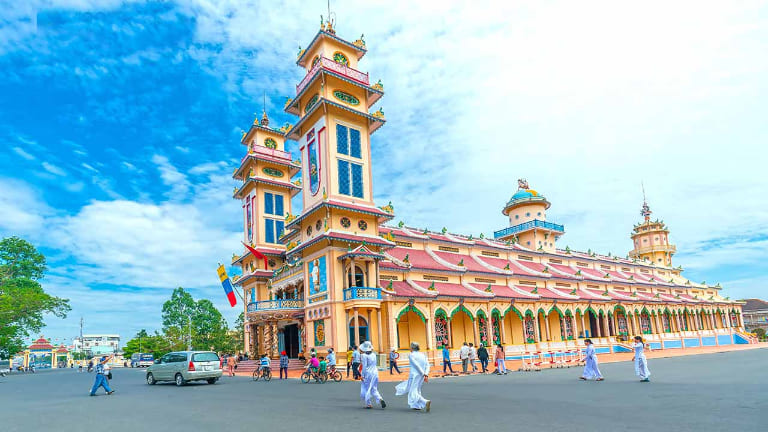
(411, 329)
(527, 212)
(461, 329)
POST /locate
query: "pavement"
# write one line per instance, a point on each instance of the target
(707, 392)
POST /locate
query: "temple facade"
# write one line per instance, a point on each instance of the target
(337, 273)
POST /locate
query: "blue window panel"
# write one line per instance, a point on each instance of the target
(357, 180)
(354, 143)
(269, 203)
(253, 295)
(279, 226)
(344, 188)
(279, 205)
(269, 229)
(342, 143)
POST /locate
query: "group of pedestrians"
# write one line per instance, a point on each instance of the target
(369, 371)
(469, 354)
(592, 371)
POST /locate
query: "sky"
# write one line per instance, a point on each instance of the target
(120, 127)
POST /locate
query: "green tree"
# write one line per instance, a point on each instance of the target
(177, 317)
(144, 342)
(23, 302)
(209, 327)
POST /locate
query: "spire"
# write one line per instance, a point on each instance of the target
(646, 210)
(264, 119)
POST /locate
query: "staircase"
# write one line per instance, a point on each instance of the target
(248, 366)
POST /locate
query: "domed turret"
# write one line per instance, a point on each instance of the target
(651, 239)
(528, 224)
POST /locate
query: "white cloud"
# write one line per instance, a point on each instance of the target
(53, 169)
(19, 151)
(22, 209)
(172, 177)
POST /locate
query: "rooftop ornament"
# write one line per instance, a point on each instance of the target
(432, 286)
(379, 86)
(360, 43)
(378, 114)
(389, 208)
(488, 288)
(287, 102)
(286, 128)
(444, 230)
(400, 224)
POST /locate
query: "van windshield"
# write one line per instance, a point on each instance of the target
(208, 356)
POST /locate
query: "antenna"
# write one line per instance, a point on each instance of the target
(265, 102)
(642, 186)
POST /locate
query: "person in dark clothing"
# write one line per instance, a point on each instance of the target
(482, 355)
(393, 356)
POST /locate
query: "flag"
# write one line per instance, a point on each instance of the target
(225, 282)
(257, 254)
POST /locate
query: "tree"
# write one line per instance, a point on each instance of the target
(177, 316)
(23, 302)
(208, 326)
(144, 342)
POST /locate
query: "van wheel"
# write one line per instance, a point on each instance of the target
(212, 380)
(180, 380)
(150, 379)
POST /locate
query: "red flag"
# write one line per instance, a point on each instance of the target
(257, 254)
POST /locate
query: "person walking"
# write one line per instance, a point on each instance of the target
(501, 361)
(393, 356)
(447, 360)
(482, 355)
(101, 380)
(590, 363)
(283, 365)
(464, 356)
(369, 387)
(355, 363)
(331, 359)
(350, 352)
(231, 365)
(418, 375)
(472, 356)
(641, 363)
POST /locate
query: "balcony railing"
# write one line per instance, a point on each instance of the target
(265, 151)
(279, 304)
(339, 68)
(362, 293)
(526, 226)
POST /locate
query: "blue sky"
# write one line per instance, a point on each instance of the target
(120, 126)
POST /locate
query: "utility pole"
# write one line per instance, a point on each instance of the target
(81, 339)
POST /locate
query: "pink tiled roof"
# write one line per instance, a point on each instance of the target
(564, 269)
(448, 289)
(646, 297)
(499, 263)
(550, 294)
(504, 291)
(469, 263)
(597, 275)
(536, 267)
(403, 289)
(390, 265)
(417, 258)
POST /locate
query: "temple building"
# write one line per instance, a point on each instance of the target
(337, 273)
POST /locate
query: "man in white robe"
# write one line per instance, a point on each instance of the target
(418, 376)
(369, 387)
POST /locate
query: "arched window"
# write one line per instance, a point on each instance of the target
(338, 57)
(357, 279)
(362, 326)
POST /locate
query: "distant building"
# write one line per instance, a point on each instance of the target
(755, 314)
(97, 343)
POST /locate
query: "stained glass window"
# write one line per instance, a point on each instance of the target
(441, 331)
(621, 322)
(350, 179)
(338, 57)
(482, 329)
(529, 331)
(495, 323)
(344, 186)
(354, 143)
(345, 222)
(645, 323)
(342, 139)
(568, 327)
(357, 180)
(665, 323)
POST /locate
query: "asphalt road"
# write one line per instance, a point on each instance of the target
(714, 392)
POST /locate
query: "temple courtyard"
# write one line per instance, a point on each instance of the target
(707, 392)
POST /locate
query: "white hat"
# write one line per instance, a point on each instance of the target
(366, 346)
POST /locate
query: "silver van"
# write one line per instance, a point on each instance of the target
(184, 366)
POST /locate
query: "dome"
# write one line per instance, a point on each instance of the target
(524, 193)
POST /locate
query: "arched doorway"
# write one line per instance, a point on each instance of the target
(593, 323)
(514, 327)
(363, 330)
(411, 327)
(461, 327)
(555, 325)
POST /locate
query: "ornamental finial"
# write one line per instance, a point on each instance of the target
(522, 184)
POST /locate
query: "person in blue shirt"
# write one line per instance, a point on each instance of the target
(331, 360)
(101, 380)
(355, 363)
(283, 364)
(447, 359)
(264, 363)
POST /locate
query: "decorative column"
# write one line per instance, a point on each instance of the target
(489, 329)
(450, 331)
(346, 328)
(392, 325)
(357, 327)
(583, 327)
(370, 324)
(574, 328)
(378, 328)
(537, 329)
(475, 327)
(503, 329)
(607, 333)
(637, 323)
(546, 328)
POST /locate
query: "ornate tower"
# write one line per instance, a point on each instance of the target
(265, 193)
(337, 235)
(651, 240)
(528, 226)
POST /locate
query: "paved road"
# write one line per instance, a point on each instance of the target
(726, 391)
